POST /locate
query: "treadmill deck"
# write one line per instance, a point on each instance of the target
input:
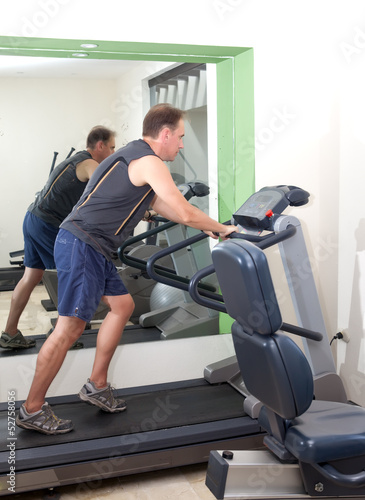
(158, 427)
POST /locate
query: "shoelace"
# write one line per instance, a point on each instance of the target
(112, 401)
(48, 413)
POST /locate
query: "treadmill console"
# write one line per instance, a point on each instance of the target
(260, 207)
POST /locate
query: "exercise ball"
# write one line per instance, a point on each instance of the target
(164, 295)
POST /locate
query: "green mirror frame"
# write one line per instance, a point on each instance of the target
(235, 98)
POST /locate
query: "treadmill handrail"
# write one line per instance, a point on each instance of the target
(217, 302)
(301, 332)
(201, 298)
(167, 277)
(135, 261)
(268, 240)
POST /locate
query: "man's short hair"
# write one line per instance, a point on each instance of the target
(98, 133)
(159, 117)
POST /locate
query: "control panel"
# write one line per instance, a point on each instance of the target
(260, 207)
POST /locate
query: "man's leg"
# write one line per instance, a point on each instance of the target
(97, 391)
(39, 240)
(121, 309)
(20, 297)
(50, 359)
(35, 413)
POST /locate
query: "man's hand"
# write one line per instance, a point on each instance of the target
(148, 215)
(224, 234)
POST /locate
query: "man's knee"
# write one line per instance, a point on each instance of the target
(32, 277)
(131, 304)
(122, 305)
(126, 305)
(68, 329)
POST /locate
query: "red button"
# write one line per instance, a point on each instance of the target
(269, 213)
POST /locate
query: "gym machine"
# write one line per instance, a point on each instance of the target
(315, 438)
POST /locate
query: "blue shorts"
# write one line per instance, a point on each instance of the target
(39, 238)
(84, 276)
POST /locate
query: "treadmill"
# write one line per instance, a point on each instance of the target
(165, 425)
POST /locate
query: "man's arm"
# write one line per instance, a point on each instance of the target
(169, 202)
(85, 169)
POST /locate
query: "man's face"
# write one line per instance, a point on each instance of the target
(107, 148)
(174, 142)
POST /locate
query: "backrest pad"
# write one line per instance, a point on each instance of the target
(275, 371)
(246, 285)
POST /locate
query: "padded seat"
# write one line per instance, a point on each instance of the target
(327, 431)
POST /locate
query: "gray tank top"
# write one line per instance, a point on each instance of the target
(61, 192)
(111, 206)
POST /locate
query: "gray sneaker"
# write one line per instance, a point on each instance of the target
(18, 341)
(44, 421)
(103, 398)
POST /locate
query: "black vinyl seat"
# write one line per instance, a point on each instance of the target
(326, 438)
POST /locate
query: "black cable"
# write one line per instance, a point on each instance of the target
(338, 335)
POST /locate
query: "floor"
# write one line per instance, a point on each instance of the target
(185, 483)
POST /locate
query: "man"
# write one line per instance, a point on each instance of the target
(63, 189)
(115, 200)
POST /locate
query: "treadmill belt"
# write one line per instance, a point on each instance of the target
(149, 411)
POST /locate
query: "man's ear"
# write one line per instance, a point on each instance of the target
(165, 134)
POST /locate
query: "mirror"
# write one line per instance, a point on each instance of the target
(234, 112)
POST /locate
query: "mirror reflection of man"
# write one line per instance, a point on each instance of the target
(62, 191)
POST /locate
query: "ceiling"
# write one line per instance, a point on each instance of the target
(49, 67)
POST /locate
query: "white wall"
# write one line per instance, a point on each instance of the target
(133, 98)
(309, 80)
(351, 255)
(39, 117)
